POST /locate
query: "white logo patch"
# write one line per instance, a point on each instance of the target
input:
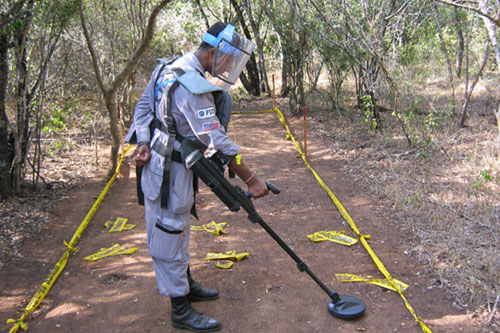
(205, 113)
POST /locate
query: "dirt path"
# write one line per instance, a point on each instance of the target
(264, 293)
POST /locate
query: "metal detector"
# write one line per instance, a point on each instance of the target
(344, 307)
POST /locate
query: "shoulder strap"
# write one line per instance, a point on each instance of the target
(170, 130)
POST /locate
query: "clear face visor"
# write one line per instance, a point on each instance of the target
(232, 51)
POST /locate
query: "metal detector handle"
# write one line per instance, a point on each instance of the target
(270, 186)
(273, 188)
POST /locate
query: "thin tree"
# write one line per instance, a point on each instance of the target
(109, 92)
(19, 32)
(446, 54)
(14, 12)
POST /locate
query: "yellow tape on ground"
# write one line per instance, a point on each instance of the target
(118, 225)
(351, 223)
(115, 250)
(225, 260)
(244, 112)
(332, 236)
(369, 279)
(104, 252)
(212, 227)
(228, 255)
(224, 264)
(111, 224)
(58, 268)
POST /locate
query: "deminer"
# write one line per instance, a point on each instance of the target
(180, 110)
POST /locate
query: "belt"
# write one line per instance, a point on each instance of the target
(161, 149)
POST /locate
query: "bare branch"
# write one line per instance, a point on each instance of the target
(397, 11)
(92, 51)
(146, 41)
(472, 9)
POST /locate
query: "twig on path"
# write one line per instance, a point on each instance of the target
(494, 309)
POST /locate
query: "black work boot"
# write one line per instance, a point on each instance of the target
(184, 316)
(198, 293)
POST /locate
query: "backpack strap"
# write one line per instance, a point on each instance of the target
(171, 131)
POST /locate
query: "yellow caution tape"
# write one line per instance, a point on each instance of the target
(351, 223)
(104, 252)
(369, 279)
(215, 228)
(18, 324)
(119, 225)
(58, 268)
(111, 251)
(225, 260)
(245, 112)
(212, 227)
(126, 251)
(197, 227)
(224, 264)
(228, 255)
(71, 248)
(333, 236)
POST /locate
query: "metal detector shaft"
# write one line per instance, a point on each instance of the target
(301, 265)
(234, 197)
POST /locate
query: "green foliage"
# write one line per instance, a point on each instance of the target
(421, 125)
(419, 134)
(55, 125)
(478, 187)
(56, 122)
(58, 145)
(367, 109)
(175, 38)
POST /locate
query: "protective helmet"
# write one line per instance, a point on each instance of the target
(232, 51)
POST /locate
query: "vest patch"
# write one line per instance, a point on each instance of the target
(210, 126)
(205, 113)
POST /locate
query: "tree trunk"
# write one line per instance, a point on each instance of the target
(22, 109)
(460, 46)
(253, 78)
(110, 100)
(497, 116)
(205, 18)
(5, 153)
(445, 51)
(468, 94)
(490, 27)
(285, 71)
(260, 52)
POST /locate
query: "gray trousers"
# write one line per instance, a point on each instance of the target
(168, 232)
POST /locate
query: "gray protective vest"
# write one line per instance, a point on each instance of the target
(167, 80)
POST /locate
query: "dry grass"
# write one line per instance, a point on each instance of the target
(444, 196)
